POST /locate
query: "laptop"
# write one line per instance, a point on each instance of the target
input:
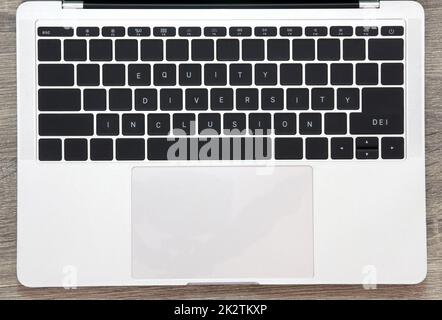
(220, 142)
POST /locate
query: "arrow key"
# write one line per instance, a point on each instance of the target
(367, 154)
(342, 148)
(392, 148)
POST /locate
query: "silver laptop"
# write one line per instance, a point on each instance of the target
(225, 141)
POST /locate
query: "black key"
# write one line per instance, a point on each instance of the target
(316, 74)
(382, 112)
(130, 149)
(228, 149)
(113, 32)
(323, 99)
(342, 74)
(88, 31)
(215, 74)
(164, 32)
(102, 149)
(240, 31)
(184, 124)
(209, 124)
(316, 31)
(367, 143)
(291, 74)
(310, 123)
(158, 149)
(304, 49)
(66, 124)
(392, 148)
(205, 149)
(392, 74)
(189, 32)
(253, 50)
(215, 31)
(227, 50)
(392, 31)
(139, 32)
(221, 99)
(55, 32)
(290, 31)
(344, 31)
(260, 123)
(316, 148)
(266, 31)
(367, 154)
(335, 123)
(272, 99)
(262, 148)
(190, 75)
(285, 123)
(348, 99)
(177, 50)
(247, 99)
(164, 75)
(354, 49)
(94, 99)
(88, 75)
(171, 99)
(386, 49)
(197, 99)
(266, 74)
(288, 149)
(367, 31)
(278, 50)
(49, 50)
(49, 150)
(240, 74)
(108, 124)
(56, 75)
(146, 100)
(75, 149)
(114, 75)
(126, 50)
(234, 124)
(329, 50)
(59, 100)
(75, 50)
(133, 125)
(158, 124)
(100, 50)
(341, 148)
(203, 50)
(298, 99)
(120, 99)
(367, 74)
(139, 75)
(152, 50)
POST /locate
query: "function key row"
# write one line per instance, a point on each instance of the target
(242, 31)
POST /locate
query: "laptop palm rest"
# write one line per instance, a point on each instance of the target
(218, 224)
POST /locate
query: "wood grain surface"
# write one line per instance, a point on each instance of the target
(431, 288)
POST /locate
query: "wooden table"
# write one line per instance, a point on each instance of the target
(10, 288)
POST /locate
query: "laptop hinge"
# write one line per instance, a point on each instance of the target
(218, 4)
(72, 4)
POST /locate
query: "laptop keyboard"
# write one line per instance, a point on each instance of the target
(157, 93)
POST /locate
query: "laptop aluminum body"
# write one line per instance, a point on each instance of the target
(133, 223)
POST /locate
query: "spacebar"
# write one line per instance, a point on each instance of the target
(66, 124)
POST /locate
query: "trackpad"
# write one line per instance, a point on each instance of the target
(223, 224)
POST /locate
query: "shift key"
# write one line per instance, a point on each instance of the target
(382, 112)
(79, 124)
